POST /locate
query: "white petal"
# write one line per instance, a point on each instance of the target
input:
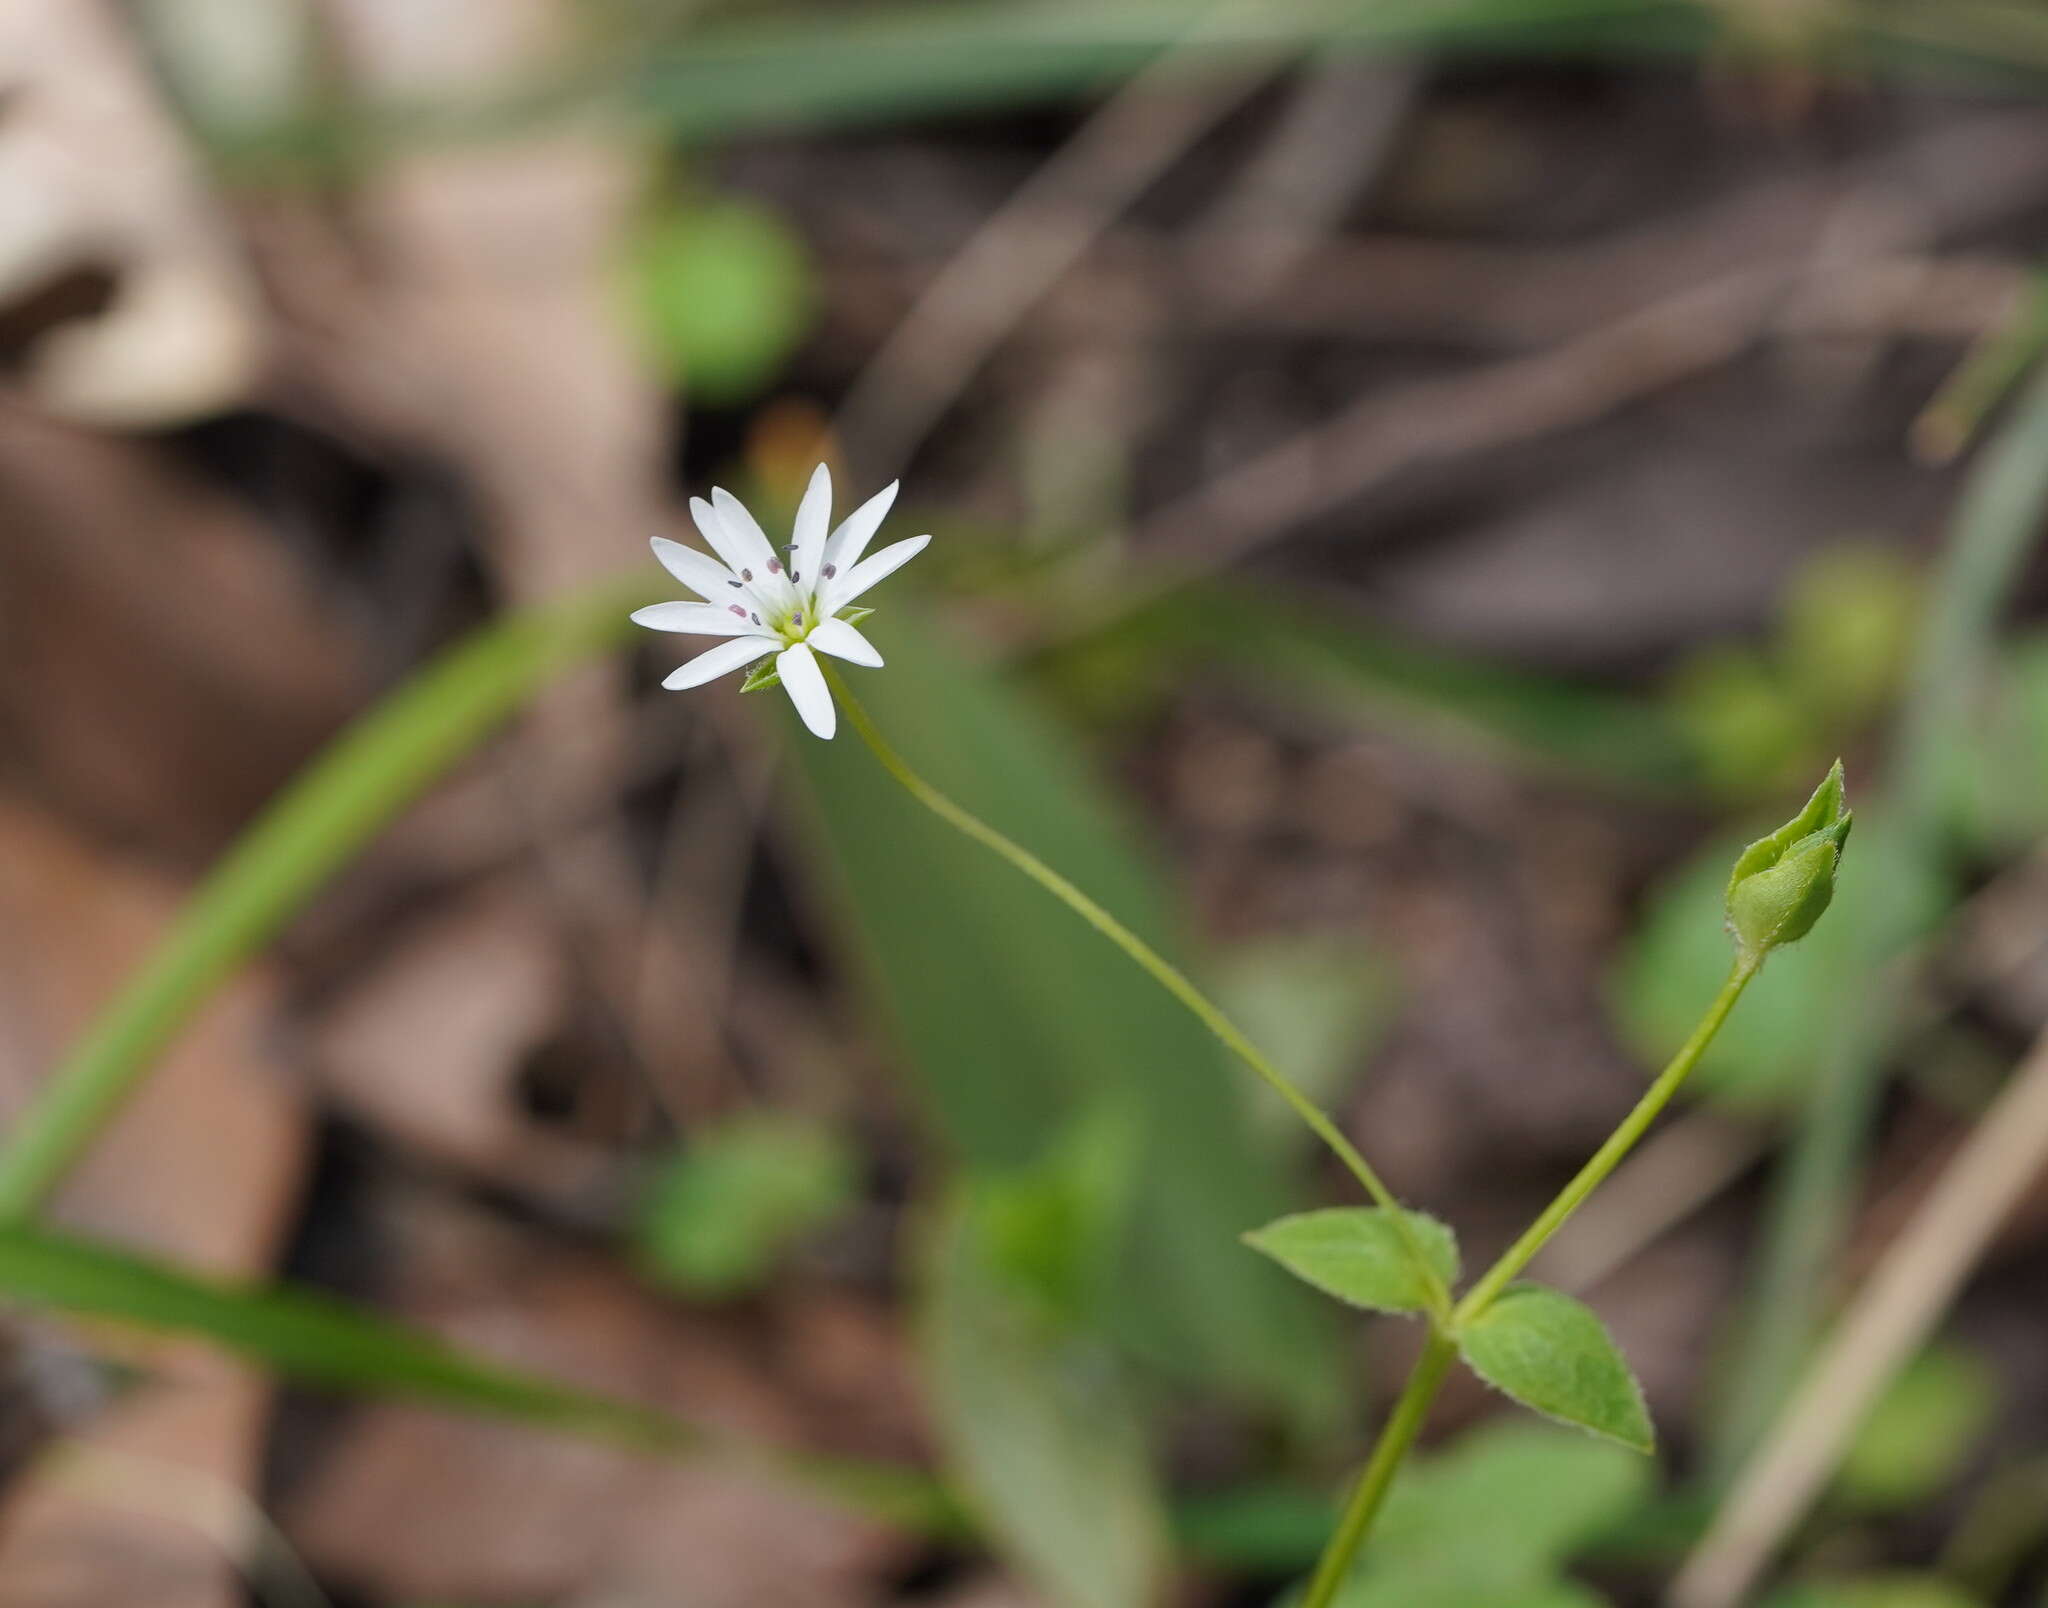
(807, 689)
(742, 529)
(736, 557)
(851, 539)
(842, 641)
(868, 571)
(700, 572)
(813, 520)
(721, 660)
(698, 619)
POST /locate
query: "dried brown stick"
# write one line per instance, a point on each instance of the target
(984, 291)
(1898, 1307)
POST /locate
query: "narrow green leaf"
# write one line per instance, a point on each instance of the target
(330, 810)
(1015, 1020)
(306, 1336)
(1327, 656)
(1038, 1424)
(1551, 1354)
(1359, 1254)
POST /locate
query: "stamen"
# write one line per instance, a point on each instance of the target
(774, 566)
(735, 585)
(831, 570)
(755, 618)
(746, 575)
(736, 609)
(794, 576)
(797, 618)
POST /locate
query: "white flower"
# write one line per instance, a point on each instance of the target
(765, 605)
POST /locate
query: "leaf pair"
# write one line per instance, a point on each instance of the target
(1534, 1344)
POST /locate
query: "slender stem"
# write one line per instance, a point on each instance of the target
(1406, 1420)
(1377, 1477)
(1163, 971)
(1608, 1156)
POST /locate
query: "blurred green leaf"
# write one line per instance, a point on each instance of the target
(723, 291)
(1055, 1230)
(1360, 1255)
(1551, 1354)
(1875, 1591)
(306, 1336)
(1038, 1423)
(1846, 630)
(1356, 666)
(331, 809)
(1016, 1019)
(1314, 1003)
(720, 1213)
(1747, 730)
(1493, 1519)
(1920, 1432)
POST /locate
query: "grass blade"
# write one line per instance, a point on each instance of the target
(323, 818)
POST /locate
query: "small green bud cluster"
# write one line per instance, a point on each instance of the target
(1782, 883)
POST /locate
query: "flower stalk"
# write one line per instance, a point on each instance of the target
(1538, 1346)
(1162, 970)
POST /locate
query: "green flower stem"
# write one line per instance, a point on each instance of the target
(1609, 1155)
(1406, 1421)
(1163, 971)
(1377, 1477)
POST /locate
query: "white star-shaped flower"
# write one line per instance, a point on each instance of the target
(791, 608)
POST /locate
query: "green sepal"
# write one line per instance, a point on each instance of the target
(1783, 883)
(762, 675)
(854, 614)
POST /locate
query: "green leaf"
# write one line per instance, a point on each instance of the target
(1403, 1592)
(717, 1217)
(1919, 1433)
(1537, 1494)
(1014, 1018)
(1038, 1424)
(1551, 1354)
(1874, 1591)
(306, 1336)
(1333, 657)
(1360, 1255)
(1314, 1003)
(723, 292)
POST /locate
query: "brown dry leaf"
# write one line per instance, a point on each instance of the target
(95, 180)
(203, 1168)
(163, 666)
(413, 1504)
(428, 1046)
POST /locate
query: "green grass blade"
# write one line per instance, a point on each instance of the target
(307, 1336)
(1349, 665)
(824, 68)
(317, 1339)
(321, 820)
(1016, 1021)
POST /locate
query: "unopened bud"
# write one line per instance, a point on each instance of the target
(1782, 883)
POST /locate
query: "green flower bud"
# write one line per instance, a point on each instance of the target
(1783, 882)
